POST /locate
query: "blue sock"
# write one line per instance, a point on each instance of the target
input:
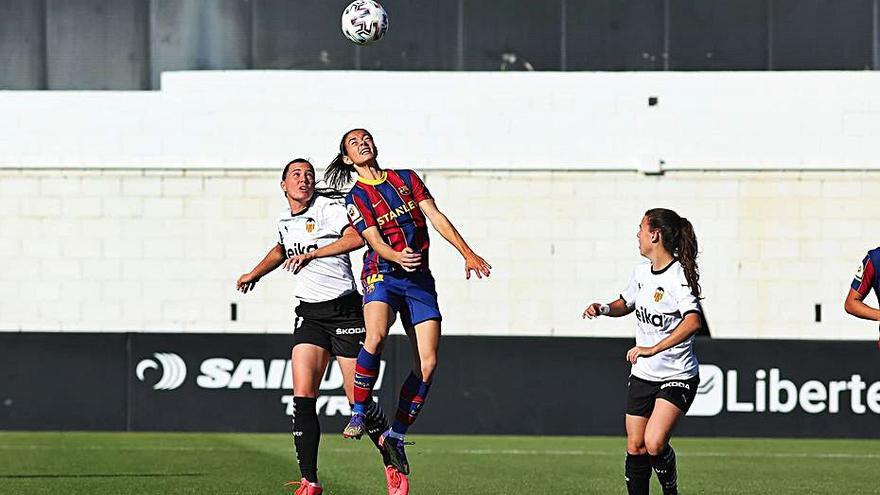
(366, 370)
(412, 396)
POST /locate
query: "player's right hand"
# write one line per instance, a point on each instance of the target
(409, 259)
(246, 282)
(479, 266)
(298, 262)
(592, 311)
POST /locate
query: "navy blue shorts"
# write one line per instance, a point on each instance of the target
(412, 294)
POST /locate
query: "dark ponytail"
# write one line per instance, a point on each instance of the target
(687, 255)
(329, 192)
(338, 173)
(677, 234)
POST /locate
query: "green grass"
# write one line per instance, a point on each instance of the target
(172, 463)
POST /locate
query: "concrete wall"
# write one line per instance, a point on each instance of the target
(466, 121)
(160, 250)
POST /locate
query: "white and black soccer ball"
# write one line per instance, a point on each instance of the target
(364, 22)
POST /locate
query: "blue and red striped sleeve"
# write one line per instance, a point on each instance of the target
(865, 276)
(357, 206)
(419, 190)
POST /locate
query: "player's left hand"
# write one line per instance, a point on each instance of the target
(298, 262)
(636, 352)
(477, 264)
(246, 282)
(593, 311)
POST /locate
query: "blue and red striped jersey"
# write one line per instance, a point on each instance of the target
(867, 277)
(391, 204)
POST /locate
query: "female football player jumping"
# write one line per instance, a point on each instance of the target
(664, 292)
(315, 239)
(389, 208)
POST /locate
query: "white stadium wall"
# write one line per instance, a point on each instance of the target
(454, 120)
(137, 211)
(116, 250)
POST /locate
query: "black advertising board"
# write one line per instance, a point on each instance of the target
(241, 382)
(483, 385)
(63, 381)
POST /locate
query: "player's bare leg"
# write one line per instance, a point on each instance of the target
(378, 317)
(657, 433)
(424, 339)
(309, 363)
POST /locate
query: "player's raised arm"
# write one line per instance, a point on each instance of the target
(441, 224)
(271, 261)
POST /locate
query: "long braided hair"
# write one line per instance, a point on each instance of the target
(677, 234)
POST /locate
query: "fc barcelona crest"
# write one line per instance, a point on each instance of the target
(403, 190)
(310, 225)
(658, 294)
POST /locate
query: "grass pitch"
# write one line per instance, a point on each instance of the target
(176, 463)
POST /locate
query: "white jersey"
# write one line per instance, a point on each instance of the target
(661, 300)
(322, 223)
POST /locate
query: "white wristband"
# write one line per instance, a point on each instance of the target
(604, 309)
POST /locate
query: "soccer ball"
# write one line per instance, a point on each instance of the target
(364, 22)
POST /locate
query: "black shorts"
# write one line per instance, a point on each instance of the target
(642, 394)
(336, 325)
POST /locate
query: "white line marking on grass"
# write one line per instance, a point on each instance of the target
(783, 455)
(499, 452)
(823, 455)
(525, 452)
(820, 455)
